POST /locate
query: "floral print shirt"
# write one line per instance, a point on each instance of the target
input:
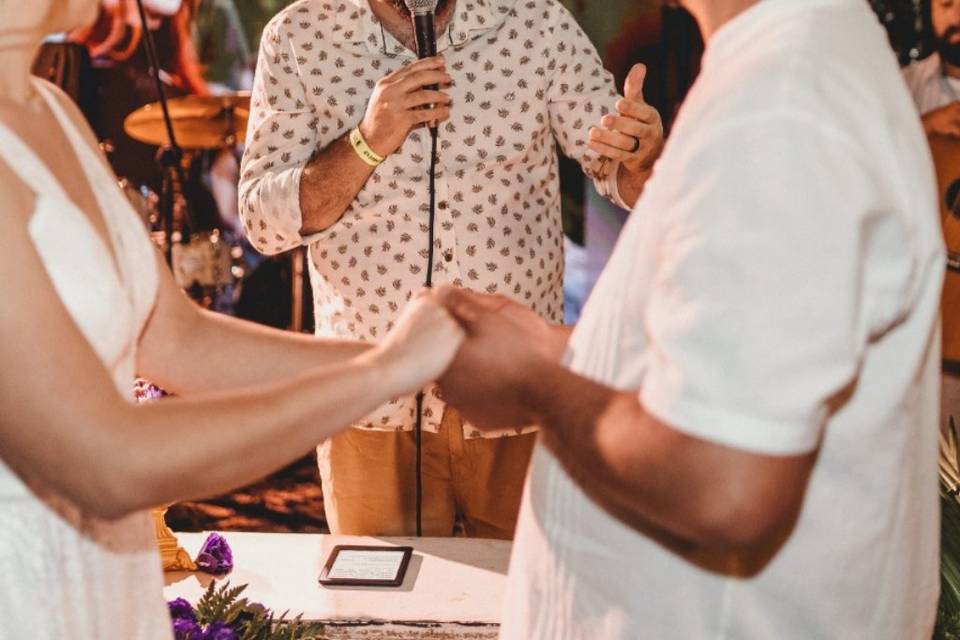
(525, 77)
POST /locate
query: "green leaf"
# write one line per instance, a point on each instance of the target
(223, 604)
(948, 610)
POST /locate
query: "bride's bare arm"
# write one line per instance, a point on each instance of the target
(63, 421)
(187, 350)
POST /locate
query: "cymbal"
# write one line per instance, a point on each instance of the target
(199, 122)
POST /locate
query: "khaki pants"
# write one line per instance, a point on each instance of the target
(369, 481)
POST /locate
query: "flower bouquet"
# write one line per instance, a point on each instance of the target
(948, 611)
(221, 614)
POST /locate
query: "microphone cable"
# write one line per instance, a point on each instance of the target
(422, 16)
(418, 430)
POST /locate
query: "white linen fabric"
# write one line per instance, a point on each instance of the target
(64, 573)
(775, 290)
(928, 85)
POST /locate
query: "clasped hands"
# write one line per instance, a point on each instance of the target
(486, 351)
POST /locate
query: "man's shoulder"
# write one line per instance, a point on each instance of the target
(296, 10)
(924, 68)
(922, 72)
(313, 15)
(533, 12)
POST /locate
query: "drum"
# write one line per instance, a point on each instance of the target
(207, 261)
(144, 201)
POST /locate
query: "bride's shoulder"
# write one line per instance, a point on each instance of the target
(17, 195)
(18, 200)
(70, 109)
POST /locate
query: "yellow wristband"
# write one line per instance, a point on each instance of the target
(363, 150)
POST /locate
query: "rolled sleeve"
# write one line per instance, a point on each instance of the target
(609, 187)
(759, 315)
(281, 139)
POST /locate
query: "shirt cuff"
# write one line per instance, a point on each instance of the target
(735, 429)
(609, 187)
(270, 208)
(293, 201)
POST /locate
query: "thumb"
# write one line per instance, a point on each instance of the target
(462, 305)
(633, 86)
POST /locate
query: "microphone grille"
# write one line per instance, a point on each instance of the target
(421, 6)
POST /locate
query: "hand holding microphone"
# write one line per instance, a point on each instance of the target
(634, 136)
(403, 100)
(409, 96)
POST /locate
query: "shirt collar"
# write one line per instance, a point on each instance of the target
(472, 18)
(932, 66)
(356, 25)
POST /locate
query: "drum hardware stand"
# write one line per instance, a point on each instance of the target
(297, 263)
(170, 156)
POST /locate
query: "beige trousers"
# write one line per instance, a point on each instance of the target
(369, 481)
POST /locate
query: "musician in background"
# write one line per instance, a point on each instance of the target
(223, 48)
(106, 70)
(123, 81)
(934, 82)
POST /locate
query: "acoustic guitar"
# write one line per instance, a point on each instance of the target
(946, 160)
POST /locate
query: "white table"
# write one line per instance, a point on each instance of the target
(453, 587)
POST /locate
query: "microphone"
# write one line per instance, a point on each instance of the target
(422, 14)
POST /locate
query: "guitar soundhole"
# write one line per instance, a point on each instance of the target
(950, 198)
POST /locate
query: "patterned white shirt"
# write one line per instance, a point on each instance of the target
(524, 76)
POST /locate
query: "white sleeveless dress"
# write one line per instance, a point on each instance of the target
(65, 574)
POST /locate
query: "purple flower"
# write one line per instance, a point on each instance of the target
(219, 631)
(180, 609)
(215, 555)
(144, 391)
(186, 630)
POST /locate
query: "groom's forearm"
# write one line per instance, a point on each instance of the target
(593, 431)
(653, 478)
